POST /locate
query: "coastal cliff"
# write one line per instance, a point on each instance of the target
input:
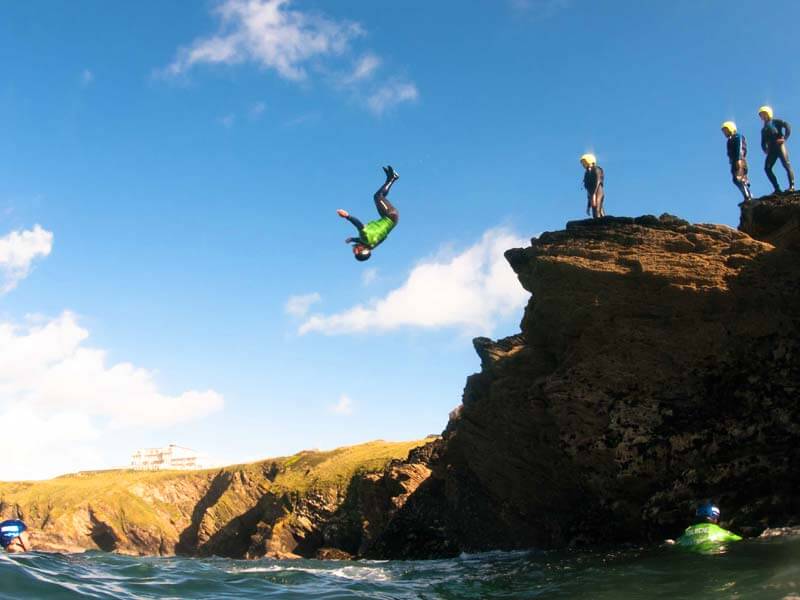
(328, 504)
(658, 364)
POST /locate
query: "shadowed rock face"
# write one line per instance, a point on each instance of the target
(658, 365)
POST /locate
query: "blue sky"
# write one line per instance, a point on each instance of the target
(184, 162)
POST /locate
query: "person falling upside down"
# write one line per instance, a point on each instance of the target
(375, 232)
(593, 181)
(737, 155)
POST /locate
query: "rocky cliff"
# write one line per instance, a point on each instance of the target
(658, 364)
(329, 504)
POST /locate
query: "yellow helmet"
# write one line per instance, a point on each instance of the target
(589, 159)
(730, 126)
(766, 109)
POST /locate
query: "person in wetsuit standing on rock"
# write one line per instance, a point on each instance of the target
(737, 155)
(375, 232)
(594, 182)
(773, 142)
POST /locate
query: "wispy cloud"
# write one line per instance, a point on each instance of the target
(257, 109)
(228, 120)
(87, 77)
(469, 291)
(67, 394)
(298, 306)
(365, 67)
(275, 36)
(392, 94)
(269, 34)
(369, 276)
(18, 251)
(343, 407)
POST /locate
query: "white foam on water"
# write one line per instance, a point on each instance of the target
(362, 573)
(356, 573)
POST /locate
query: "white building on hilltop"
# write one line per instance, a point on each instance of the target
(168, 457)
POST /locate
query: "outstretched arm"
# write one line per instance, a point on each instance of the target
(345, 215)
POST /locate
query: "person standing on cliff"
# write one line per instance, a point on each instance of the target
(773, 142)
(593, 181)
(737, 155)
(375, 232)
(14, 536)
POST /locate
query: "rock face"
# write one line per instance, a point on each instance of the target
(327, 504)
(658, 365)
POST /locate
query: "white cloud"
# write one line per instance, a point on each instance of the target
(87, 77)
(468, 291)
(343, 407)
(64, 395)
(390, 95)
(228, 120)
(369, 276)
(298, 306)
(269, 34)
(18, 251)
(364, 68)
(273, 35)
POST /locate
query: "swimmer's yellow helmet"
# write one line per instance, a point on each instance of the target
(588, 160)
(730, 126)
(766, 109)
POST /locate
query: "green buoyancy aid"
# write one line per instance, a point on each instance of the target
(704, 534)
(375, 232)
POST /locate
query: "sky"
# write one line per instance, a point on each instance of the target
(172, 268)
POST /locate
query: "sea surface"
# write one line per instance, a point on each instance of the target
(751, 570)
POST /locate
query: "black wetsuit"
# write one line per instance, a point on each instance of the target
(375, 232)
(594, 179)
(773, 141)
(737, 155)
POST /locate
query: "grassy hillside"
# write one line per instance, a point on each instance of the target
(159, 512)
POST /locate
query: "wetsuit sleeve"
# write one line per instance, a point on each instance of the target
(356, 223)
(764, 139)
(786, 128)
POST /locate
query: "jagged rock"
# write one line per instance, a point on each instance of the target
(332, 554)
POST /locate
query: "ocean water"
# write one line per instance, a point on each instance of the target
(750, 570)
